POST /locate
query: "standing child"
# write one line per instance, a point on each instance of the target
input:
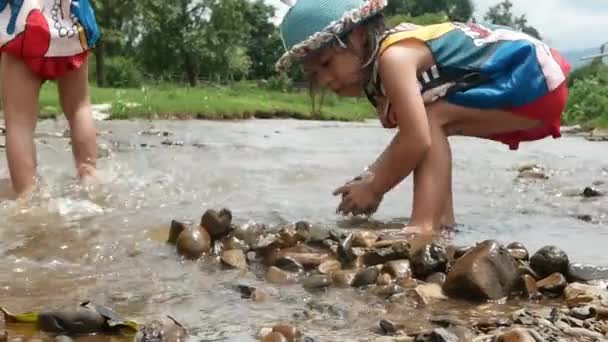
(429, 82)
(46, 40)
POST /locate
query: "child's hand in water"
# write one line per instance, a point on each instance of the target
(358, 197)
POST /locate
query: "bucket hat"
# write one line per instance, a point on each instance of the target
(312, 24)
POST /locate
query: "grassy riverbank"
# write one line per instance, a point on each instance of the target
(246, 100)
(239, 101)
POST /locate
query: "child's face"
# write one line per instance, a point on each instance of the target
(339, 69)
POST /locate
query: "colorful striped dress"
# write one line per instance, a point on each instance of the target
(51, 36)
(486, 67)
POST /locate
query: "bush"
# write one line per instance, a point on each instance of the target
(123, 72)
(278, 83)
(588, 101)
(594, 70)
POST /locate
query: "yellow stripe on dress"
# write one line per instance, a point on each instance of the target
(83, 38)
(424, 33)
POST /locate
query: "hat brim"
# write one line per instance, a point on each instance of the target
(338, 28)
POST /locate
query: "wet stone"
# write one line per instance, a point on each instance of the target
(217, 224)
(524, 268)
(428, 293)
(387, 327)
(488, 271)
(387, 290)
(399, 269)
(447, 321)
(580, 294)
(366, 277)
(316, 282)
(549, 260)
(79, 321)
(329, 266)
(289, 264)
(587, 272)
(288, 237)
(345, 250)
(555, 283)
(518, 251)
(600, 313)
(166, 329)
(63, 338)
(489, 324)
(231, 242)
(277, 276)
(437, 335)
(516, 335)
(343, 278)
(246, 291)
(460, 251)
(289, 331)
(234, 258)
(303, 230)
(274, 337)
(364, 239)
(436, 278)
(585, 218)
(582, 312)
(174, 231)
(250, 233)
(529, 287)
(384, 279)
(591, 192)
(428, 260)
(193, 242)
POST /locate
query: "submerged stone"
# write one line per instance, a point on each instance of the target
(366, 277)
(234, 258)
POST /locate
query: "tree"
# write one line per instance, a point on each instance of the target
(264, 44)
(428, 12)
(460, 10)
(114, 19)
(501, 14)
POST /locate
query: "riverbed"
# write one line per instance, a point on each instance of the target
(73, 243)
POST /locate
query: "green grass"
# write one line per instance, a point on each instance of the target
(213, 102)
(601, 121)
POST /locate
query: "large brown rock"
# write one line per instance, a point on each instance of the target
(217, 224)
(488, 271)
(193, 242)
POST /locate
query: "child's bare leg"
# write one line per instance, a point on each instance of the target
(432, 180)
(74, 95)
(20, 91)
(447, 218)
(432, 177)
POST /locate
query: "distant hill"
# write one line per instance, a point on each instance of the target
(574, 56)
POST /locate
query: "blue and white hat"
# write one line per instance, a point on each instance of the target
(311, 24)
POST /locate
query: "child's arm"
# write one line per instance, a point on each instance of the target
(398, 68)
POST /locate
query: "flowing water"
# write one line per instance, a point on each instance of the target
(70, 245)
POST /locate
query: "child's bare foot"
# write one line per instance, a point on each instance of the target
(87, 175)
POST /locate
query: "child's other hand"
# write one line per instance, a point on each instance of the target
(358, 198)
(386, 114)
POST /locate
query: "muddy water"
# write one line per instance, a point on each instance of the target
(73, 244)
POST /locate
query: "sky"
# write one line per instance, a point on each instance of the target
(564, 24)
